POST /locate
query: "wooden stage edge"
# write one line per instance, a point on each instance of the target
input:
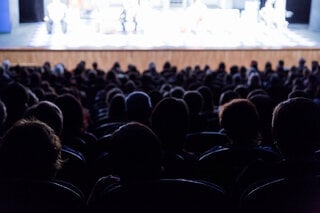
(141, 58)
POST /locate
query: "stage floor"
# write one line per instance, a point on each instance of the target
(84, 36)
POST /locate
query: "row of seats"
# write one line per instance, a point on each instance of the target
(195, 140)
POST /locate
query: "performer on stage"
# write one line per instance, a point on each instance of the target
(129, 15)
(56, 14)
(273, 14)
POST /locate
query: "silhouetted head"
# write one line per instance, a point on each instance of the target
(302, 61)
(170, 121)
(256, 92)
(176, 92)
(30, 149)
(242, 90)
(239, 118)
(15, 97)
(165, 88)
(264, 105)
(207, 98)
(136, 153)
(117, 106)
(71, 109)
(296, 127)
(298, 94)
(138, 107)
(254, 80)
(194, 101)
(227, 96)
(254, 64)
(48, 113)
(155, 97)
(112, 92)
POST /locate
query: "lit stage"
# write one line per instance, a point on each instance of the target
(223, 35)
(194, 27)
(84, 36)
(237, 36)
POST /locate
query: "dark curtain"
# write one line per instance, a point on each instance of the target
(262, 3)
(31, 10)
(300, 9)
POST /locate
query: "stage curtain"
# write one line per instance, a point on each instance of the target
(300, 9)
(5, 26)
(315, 16)
(31, 10)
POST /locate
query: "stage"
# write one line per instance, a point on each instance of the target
(169, 36)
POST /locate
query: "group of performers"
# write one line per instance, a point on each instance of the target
(272, 13)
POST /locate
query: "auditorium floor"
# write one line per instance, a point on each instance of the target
(85, 36)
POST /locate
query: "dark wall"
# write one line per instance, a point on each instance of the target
(31, 10)
(300, 9)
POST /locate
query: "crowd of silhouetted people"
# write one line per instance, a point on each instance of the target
(193, 139)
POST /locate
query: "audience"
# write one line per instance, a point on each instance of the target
(296, 128)
(154, 111)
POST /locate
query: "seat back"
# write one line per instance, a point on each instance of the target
(39, 196)
(107, 128)
(74, 167)
(166, 195)
(100, 167)
(283, 195)
(222, 166)
(200, 142)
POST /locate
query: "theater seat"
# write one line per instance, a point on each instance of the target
(74, 167)
(166, 195)
(298, 195)
(107, 128)
(100, 167)
(224, 165)
(40, 196)
(200, 142)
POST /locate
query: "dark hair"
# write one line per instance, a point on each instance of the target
(207, 95)
(239, 118)
(170, 121)
(135, 152)
(194, 100)
(48, 113)
(297, 94)
(228, 96)
(117, 107)
(30, 149)
(15, 97)
(296, 126)
(71, 109)
(138, 107)
(177, 92)
(264, 105)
